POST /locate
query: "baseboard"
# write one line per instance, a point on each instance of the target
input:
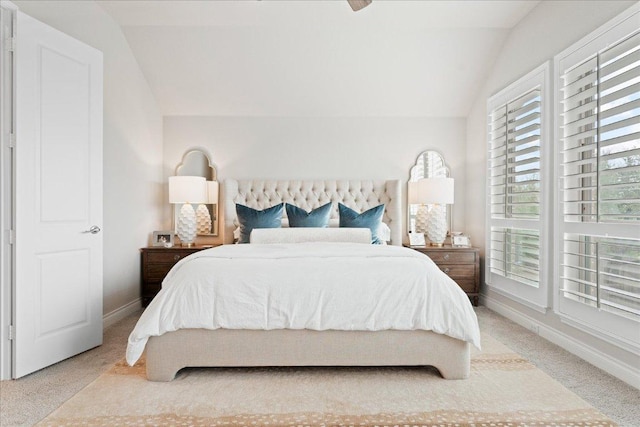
(620, 370)
(121, 312)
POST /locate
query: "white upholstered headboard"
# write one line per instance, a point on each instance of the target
(358, 195)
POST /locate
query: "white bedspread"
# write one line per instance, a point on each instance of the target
(319, 286)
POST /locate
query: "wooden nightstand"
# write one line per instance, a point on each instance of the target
(461, 264)
(156, 263)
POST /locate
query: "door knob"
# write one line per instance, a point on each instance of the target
(93, 230)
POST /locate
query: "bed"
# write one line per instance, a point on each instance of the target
(183, 328)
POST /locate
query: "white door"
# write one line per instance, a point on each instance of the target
(58, 197)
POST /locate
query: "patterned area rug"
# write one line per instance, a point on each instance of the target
(503, 390)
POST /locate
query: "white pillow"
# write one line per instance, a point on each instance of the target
(310, 234)
(383, 231)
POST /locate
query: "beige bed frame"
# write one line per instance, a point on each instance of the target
(169, 353)
(172, 351)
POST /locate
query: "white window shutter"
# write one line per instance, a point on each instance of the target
(517, 133)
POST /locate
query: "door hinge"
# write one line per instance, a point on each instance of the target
(11, 236)
(12, 140)
(10, 44)
(12, 332)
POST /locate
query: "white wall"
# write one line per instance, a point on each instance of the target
(547, 30)
(318, 147)
(132, 146)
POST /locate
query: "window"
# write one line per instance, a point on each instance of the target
(517, 134)
(598, 101)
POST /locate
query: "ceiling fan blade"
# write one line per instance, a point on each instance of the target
(356, 5)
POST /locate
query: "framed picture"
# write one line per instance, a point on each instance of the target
(461, 241)
(162, 238)
(416, 239)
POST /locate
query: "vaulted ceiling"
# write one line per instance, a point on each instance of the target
(316, 58)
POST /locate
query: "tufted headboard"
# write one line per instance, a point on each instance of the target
(358, 195)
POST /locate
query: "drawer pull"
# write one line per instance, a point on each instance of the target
(446, 270)
(176, 257)
(446, 256)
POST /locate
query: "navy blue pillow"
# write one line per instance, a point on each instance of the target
(318, 217)
(251, 218)
(370, 219)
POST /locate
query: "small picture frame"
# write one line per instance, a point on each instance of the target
(163, 238)
(416, 239)
(460, 241)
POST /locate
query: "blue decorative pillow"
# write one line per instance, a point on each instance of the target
(370, 219)
(251, 218)
(318, 217)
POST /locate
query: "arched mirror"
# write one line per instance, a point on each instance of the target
(429, 164)
(197, 163)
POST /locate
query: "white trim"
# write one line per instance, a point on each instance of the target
(622, 331)
(6, 210)
(611, 32)
(557, 194)
(121, 312)
(514, 89)
(516, 298)
(624, 372)
(629, 346)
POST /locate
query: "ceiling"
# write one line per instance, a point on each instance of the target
(316, 58)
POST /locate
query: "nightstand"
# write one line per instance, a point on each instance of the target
(156, 263)
(461, 264)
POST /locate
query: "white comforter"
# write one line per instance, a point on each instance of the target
(319, 286)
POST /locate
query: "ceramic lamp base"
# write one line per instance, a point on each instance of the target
(437, 225)
(186, 224)
(421, 219)
(203, 220)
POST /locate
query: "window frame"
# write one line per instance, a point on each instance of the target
(610, 327)
(536, 298)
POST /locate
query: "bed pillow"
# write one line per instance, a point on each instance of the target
(318, 217)
(310, 234)
(370, 219)
(250, 218)
(384, 232)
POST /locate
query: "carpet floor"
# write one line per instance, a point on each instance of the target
(503, 389)
(288, 393)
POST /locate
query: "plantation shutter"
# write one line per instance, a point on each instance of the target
(601, 156)
(599, 167)
(516, 158)
(515, 134)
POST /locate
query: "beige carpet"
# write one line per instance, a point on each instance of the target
(504, 390)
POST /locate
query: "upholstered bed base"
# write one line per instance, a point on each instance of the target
(168, 353)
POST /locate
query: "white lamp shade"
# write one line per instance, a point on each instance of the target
(413, 195)
(187, 189)
(436, 191)
(212, 192)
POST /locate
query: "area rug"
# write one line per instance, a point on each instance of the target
(504, 389)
